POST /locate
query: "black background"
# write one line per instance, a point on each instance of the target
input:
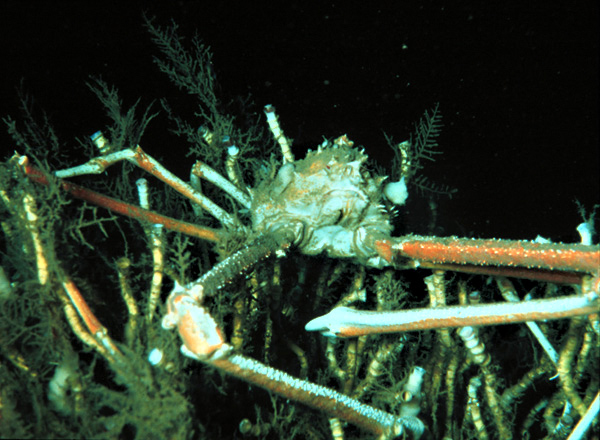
(516, 82)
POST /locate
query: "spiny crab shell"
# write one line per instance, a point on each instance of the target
(327, 202)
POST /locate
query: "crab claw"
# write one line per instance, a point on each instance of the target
(202, 338)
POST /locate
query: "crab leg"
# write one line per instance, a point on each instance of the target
(203, 341)
(201, 169)
(138, 157)
(586, 421)
(316, 396)
(346, 322)
(121, 207)
(508, 254)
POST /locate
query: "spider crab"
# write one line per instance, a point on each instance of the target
(329, 203)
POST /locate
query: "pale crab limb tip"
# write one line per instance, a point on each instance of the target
(333, 323)
(347, 322)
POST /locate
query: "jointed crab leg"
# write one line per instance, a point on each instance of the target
(146, 162)
(200, 169)
(541, 275)
(587, 420)
(228, 269)
(566, 263)
(204, 341)
(505, 253)
(123, 208)
(316, 396)
(347, 322)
